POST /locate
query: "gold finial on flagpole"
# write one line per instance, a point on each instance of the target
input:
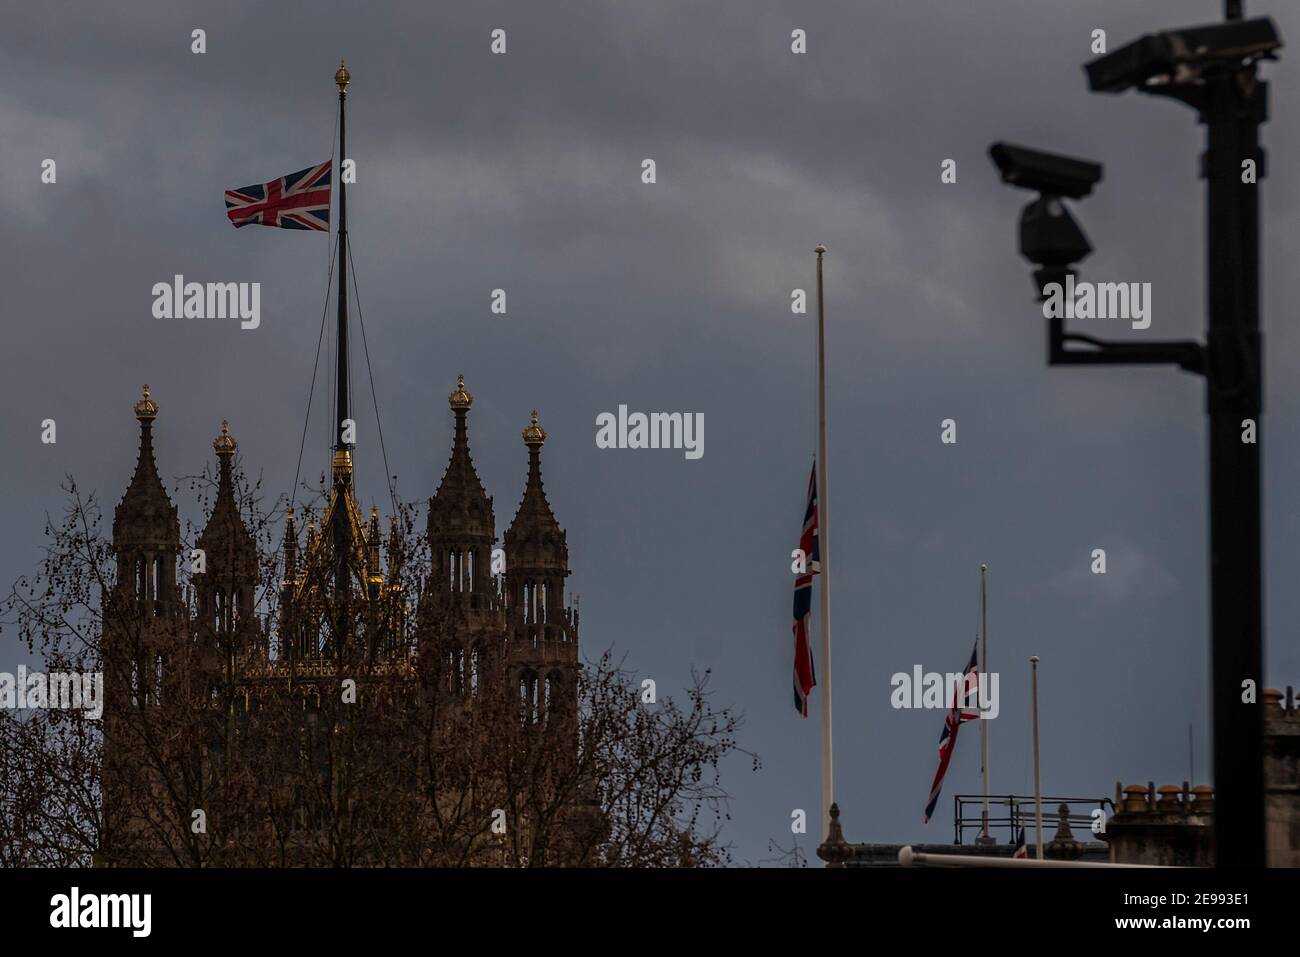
(342, 77)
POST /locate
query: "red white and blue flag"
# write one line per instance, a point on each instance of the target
(804, 678)
(1022, 848)
(298, 200)
(958, 713)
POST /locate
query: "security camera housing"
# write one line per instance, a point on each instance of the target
(1049, 235)
(1046, 173)
(1180, 55)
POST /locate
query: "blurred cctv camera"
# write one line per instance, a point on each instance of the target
(1181, 56)
(1046, 173)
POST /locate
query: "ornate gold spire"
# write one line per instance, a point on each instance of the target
(146, 410)
(342, 462)
(534, 541)
(534, 434)
(460, 507)
(146, 518)
(224, 444)
(342, 77)
(460, 399)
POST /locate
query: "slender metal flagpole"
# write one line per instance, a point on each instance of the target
(342, 77)
(985, 837)
(342, 463)
(1038, 787)
(824, 548)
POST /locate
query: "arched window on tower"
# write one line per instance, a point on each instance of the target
(469, 559)
(218, 608)
(141, 587)
(543, 602)
(473, 670)
(528, 697)
(537, 612)
(556, 700)
(157, 584)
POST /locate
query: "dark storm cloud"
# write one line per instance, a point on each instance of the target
(522, 172)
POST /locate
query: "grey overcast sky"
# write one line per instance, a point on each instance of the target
(523, 172)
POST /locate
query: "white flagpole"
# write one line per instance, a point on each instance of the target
(985, 837)
(823, 546)
(1038, 788)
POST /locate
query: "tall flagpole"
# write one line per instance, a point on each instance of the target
(824, 548)
(985, 837)
(342, 464)
(342, 77)
(1038, 787)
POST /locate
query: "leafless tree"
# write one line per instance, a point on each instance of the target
(233, 760)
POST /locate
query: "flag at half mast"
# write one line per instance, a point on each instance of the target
(958, 713)
(298, 200)
(804, 676)
(1022, 848)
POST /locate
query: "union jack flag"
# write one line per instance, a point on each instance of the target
(1022, 848)
(298, 200)
(952, 722)
(804, 678)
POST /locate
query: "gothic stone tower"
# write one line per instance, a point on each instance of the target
(146, 540)
(462, 614)
(543, 631)
(144, 623)
(225, 590)
(172, 660)
(144, 615)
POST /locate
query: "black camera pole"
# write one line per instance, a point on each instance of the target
(1232, 103)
